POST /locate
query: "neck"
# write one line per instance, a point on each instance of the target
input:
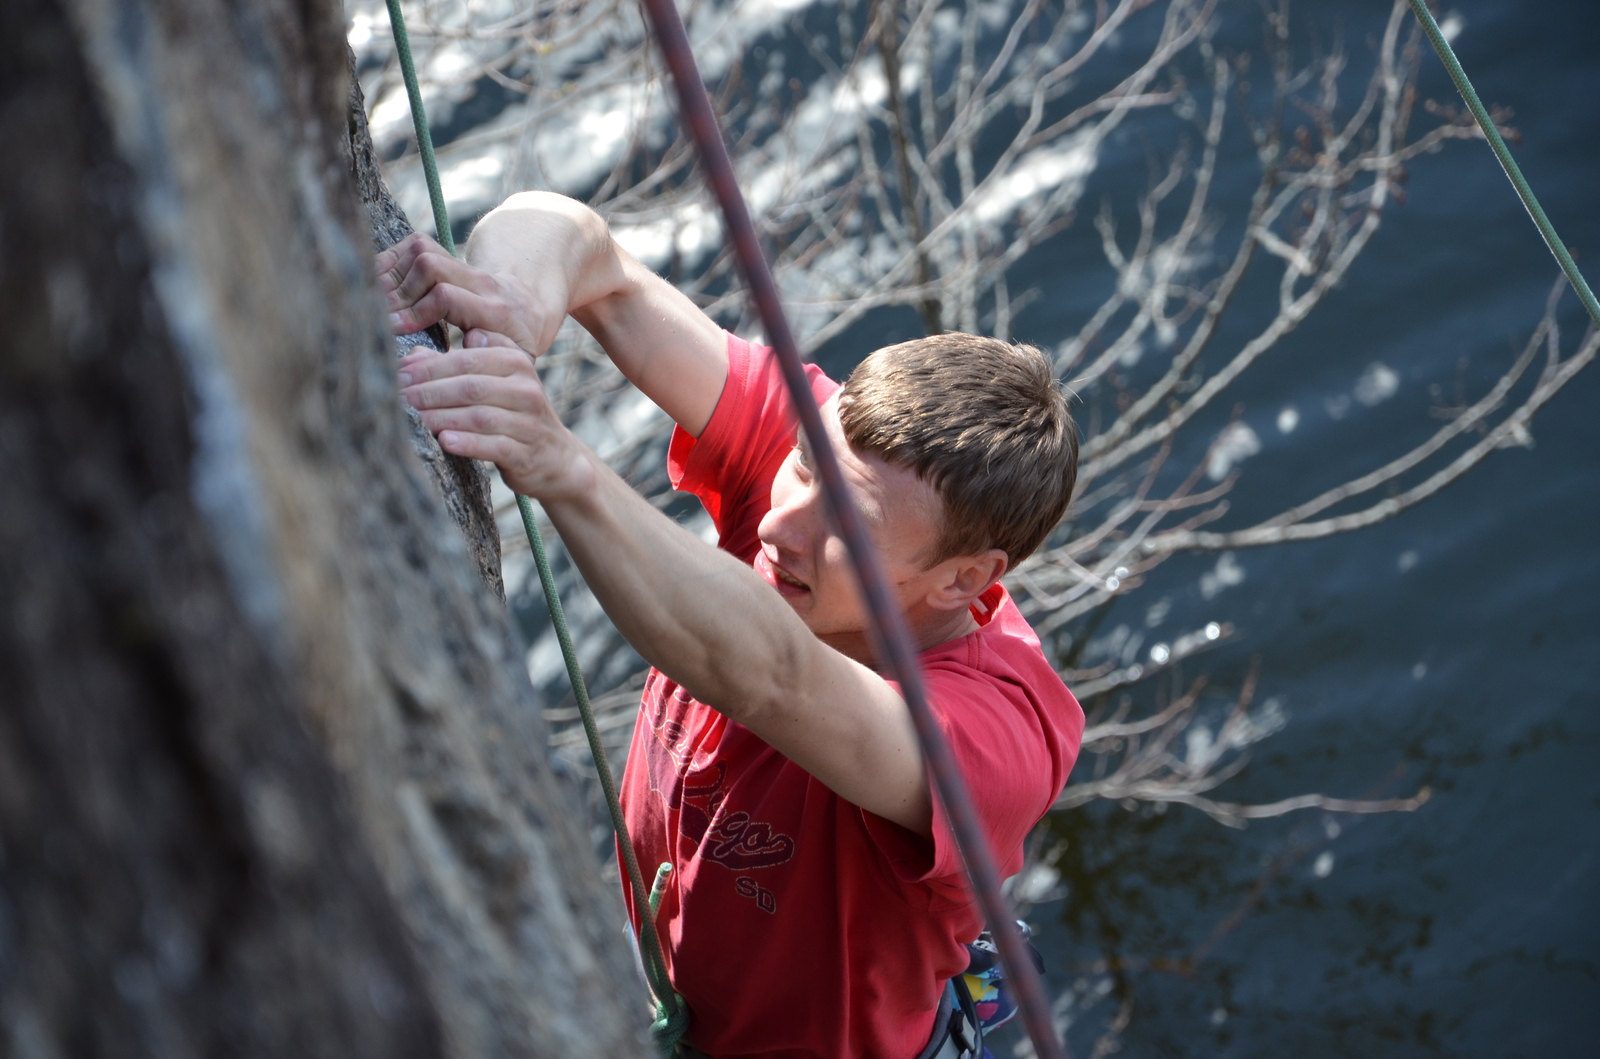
(929, 628)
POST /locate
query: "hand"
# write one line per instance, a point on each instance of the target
(425, 284)
(485, 402)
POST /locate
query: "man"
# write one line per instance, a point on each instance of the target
(817, 904)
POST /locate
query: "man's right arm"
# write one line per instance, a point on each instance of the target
(539, 257)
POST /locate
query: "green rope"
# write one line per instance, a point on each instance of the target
(671, 1013)
(659, 888)
(419, 122)
(650, 938)
(1447, 55)
(668, 1029)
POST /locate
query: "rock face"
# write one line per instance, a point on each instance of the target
(463, 484)
(271, 777)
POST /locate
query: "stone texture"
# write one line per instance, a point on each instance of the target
(272, 780)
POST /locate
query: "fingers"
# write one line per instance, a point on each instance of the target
(425, 284)
(478, 338)
(485, 402)
(512, 435)
(499, 382)
(521, 396)
(484, 419)
(510, 455)
(452, 303)
(545, 469)
(491, 448)
(430, 266)
(393, 264)
(501, 361)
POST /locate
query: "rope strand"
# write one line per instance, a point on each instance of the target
(419, 123)
(1447, 55)
(890, 638)
(672, 1014)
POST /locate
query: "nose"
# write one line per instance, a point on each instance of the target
(792, 519)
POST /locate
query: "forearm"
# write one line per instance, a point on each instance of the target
(711, 624)
(690, 609)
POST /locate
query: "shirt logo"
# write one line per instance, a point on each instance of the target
(745, 886)
(695, 794)
(694, 786)
(740, 843)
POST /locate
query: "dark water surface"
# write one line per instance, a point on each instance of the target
(1452, 647)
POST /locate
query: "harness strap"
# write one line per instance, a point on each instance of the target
(974, 1047)
(941, 1023)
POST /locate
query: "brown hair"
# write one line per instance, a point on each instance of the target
(980, 420)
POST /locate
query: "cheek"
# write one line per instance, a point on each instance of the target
(840, 570)
(794, 521)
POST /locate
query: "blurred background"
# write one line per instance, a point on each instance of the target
(1329, 591)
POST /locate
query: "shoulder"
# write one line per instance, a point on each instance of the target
(1005, 709)
(1005, 656)
(755, 399)
(730, 465)
(1014, 730)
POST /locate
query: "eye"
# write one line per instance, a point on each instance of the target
(800, 458)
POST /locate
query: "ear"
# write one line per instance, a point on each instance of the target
(963, 578)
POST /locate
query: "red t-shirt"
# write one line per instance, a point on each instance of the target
(797, 924)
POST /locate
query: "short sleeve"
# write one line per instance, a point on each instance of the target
(1014, 731)
(730, 466)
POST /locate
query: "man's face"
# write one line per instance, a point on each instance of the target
(803, 557)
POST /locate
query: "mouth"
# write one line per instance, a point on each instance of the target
(779, 578)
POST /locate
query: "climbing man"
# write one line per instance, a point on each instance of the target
(816, 905)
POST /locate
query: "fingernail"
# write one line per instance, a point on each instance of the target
(405, 378)
(395, 321)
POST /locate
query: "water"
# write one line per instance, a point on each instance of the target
(1450, 648)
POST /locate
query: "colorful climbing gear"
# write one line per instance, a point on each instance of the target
(976, 1001)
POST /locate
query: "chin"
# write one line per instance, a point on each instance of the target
(817, 623)
(824, 628)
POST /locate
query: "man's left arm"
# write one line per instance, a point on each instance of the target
(695, 612)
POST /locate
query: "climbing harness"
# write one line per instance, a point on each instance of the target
(672, 1014)
(976, 1001)
(887, 629)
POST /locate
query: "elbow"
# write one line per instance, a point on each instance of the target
(769, 697)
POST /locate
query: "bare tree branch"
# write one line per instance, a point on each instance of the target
(938, 146)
